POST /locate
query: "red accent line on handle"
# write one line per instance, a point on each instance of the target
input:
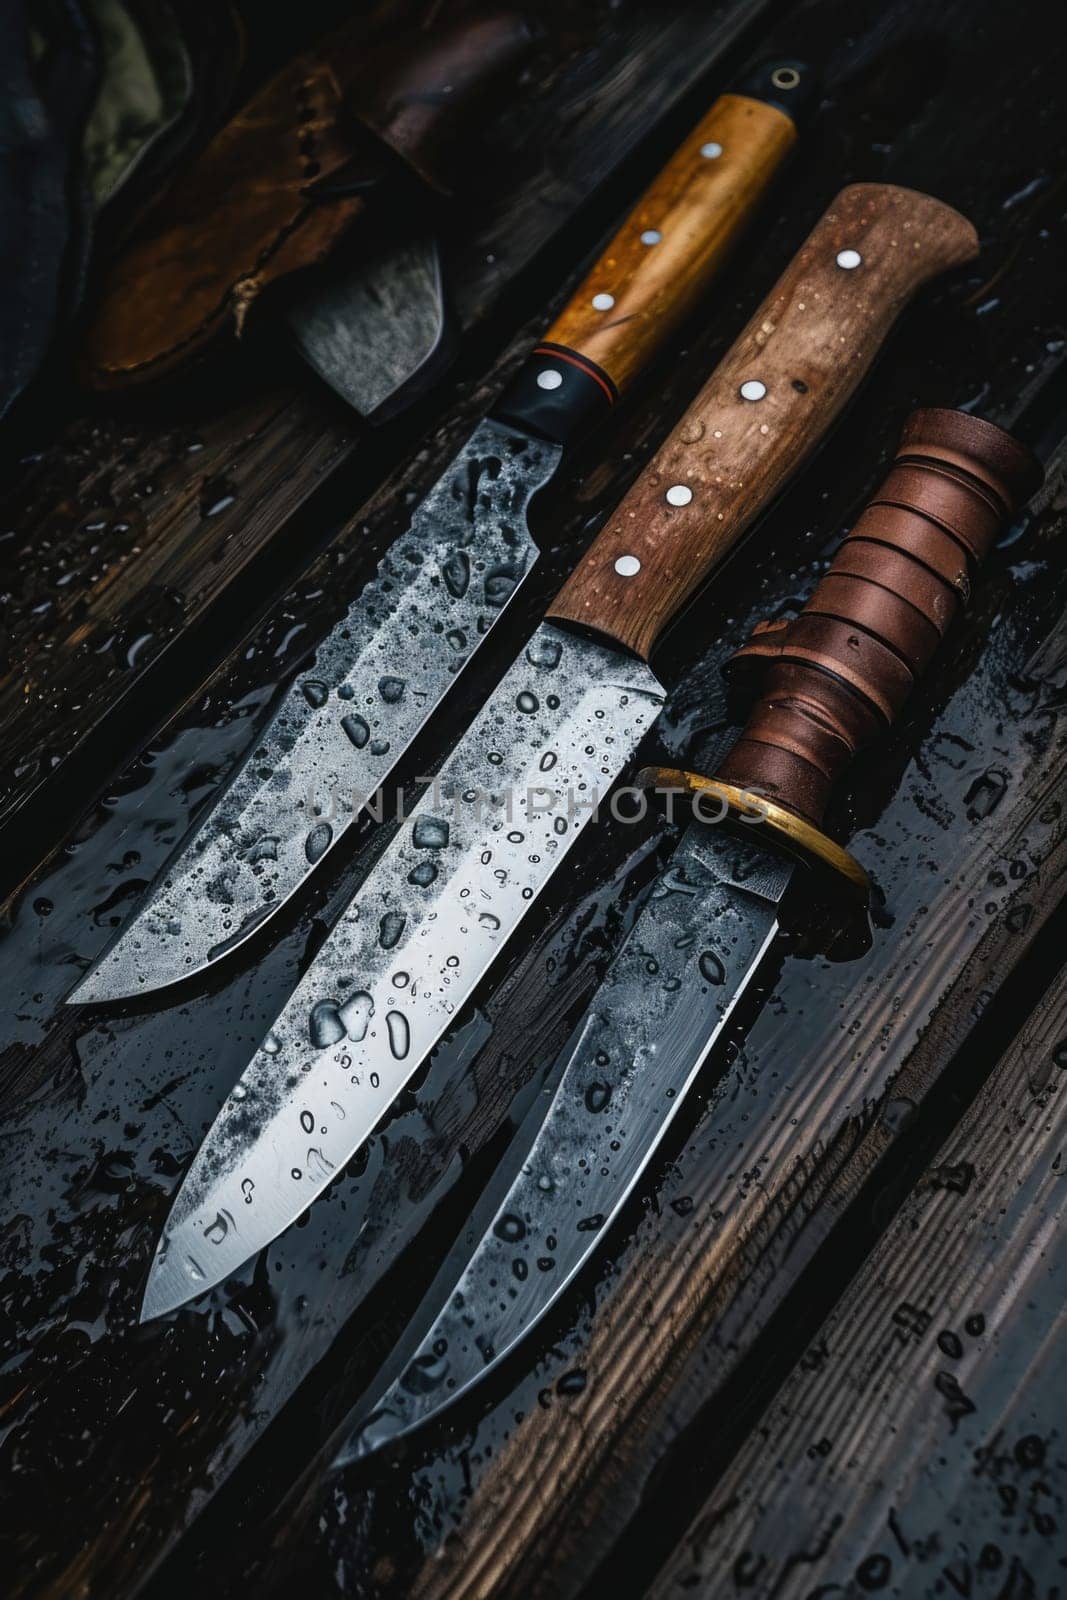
(590, 368)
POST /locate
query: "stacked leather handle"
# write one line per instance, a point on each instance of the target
(838, 673)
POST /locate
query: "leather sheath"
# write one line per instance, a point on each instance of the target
(834, 676)
(284, 180)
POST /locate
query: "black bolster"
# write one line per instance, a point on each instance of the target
(556, 394)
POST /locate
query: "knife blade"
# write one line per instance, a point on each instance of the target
(457, 879)
(381, 333)
(708, 925)
(700, 941)
(344, 723)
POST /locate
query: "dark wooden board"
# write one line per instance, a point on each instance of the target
(135, 1431)
(919, 1447)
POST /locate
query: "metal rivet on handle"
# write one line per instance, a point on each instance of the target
(753, 389)
(549, 378)
(627, 566)
(711, 151)
(848, 259)
(651, 236)
(603, 302)
(679, 494)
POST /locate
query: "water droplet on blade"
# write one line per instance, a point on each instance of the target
(319, 1166)
(712, 969)
(355, 1015)
(499, 587)
(318, 842)
(265, 849)
(356, 730)
(597, 1096)
(324, 1024)
(429, 833)
(544, 652)
(399, 1034)
(456, 572)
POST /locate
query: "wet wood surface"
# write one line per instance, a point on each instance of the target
(919, 1440)
(194, 1454)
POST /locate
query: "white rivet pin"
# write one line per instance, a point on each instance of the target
(603, 302)
(549, 378)
(679, 494)
(627, 566)
(711, 152)
(752, 389)
(848, 259)
(651, 236)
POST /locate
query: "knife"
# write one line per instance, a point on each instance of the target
(522, 783)
(835, 678)
(345, 722)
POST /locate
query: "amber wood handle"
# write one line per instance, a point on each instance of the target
(835, 676)
(665, 254)
(765, 407)
(661, 260)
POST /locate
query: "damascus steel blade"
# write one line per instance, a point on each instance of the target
(344, 722)
(377, 333)
(428, 921)
(666, 999)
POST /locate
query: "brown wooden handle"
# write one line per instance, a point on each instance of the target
(765, 407)
(837, 674)
(661, 260)
(666, 252)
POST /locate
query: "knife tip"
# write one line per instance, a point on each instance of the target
(115, 978)
(163, 1293)
(95, 987)
(149, 1311)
